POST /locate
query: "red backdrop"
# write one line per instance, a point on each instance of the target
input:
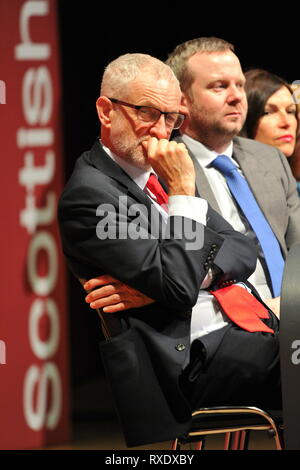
(34, 368)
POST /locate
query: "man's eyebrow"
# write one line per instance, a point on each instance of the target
(149, 104)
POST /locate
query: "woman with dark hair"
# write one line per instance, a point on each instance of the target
(295, 158)
(272, 112)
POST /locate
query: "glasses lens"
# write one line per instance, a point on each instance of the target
(171, 119)
(179, 120)
(174, 120)
(148, 114)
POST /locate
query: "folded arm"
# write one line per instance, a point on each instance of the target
(113, 295)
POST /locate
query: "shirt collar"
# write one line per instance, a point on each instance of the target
(138, 175)
(203, 154)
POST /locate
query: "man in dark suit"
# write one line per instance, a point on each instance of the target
(180, 350)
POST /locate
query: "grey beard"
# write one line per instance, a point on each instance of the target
(134, 155)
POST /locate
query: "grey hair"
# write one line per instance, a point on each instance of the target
(178, 59)
(125, 69)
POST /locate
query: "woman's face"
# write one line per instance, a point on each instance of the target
(278, 125)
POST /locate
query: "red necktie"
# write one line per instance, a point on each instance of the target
(242, 308)
(156, 188)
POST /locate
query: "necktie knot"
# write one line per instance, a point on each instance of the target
(157, 190)
(223, 164)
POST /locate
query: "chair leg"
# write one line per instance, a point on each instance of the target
(234, 440)
(278, 438)
(200, 444)
(175, 445)
(243, 440)
(227, 440)
(280, 444)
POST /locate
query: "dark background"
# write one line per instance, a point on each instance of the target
(92, 35)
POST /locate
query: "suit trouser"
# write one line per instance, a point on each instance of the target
(235, 367)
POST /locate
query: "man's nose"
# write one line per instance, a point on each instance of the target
(159, 129)
(236, 94)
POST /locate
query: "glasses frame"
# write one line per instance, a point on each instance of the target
(138, 107)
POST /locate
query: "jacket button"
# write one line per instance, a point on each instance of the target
(180, 347)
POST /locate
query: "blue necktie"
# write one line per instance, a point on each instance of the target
(244, 197)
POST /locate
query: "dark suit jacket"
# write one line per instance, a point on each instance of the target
(145, 361)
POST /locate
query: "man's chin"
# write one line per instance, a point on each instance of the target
(234, 123)
(140, 160)
(232, 128)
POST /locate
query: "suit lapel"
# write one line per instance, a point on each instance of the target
(202, 184)
(262, 183)
(248, 164)
(100, 160)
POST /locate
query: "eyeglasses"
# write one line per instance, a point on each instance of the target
(148, 114)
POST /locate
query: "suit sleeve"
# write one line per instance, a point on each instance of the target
(170, 269)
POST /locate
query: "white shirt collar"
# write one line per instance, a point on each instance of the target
(203, 154)
(138, 175)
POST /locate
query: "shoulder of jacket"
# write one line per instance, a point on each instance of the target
(251, 144)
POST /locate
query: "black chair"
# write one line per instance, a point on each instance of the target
(235, 423)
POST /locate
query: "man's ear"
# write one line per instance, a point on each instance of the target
(104, 108)
(184, 109)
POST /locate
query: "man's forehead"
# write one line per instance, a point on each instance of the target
(206, 63)
(149, 86)
(149, 78)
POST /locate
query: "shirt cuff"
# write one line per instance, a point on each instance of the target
(194, 208)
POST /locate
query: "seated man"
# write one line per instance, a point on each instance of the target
(180, 350)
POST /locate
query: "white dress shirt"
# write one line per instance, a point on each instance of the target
(225, 201)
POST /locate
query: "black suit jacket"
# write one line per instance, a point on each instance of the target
(145, 361)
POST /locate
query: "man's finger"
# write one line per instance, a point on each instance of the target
(99, 281)
(152, 146)
(116, 307)
(104, 291)
(110, 300)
